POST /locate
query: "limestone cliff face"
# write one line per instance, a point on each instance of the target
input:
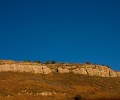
(92, 70)
(85, 69)
(24, 67)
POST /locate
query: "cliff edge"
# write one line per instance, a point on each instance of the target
(85, 69)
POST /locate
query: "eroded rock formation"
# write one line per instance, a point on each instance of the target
(24, 67)
(85, 69)
(92, 70)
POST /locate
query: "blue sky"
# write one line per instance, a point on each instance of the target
(62, 30)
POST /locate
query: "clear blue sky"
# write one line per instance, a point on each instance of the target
(64, 30)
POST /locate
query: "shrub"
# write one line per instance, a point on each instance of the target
(53, 62)
(27, 61)
(88, 62)
(48, 62)
(108, 66)
(37, 61)
(78, 97)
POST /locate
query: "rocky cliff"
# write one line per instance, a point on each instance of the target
(85, 69)
(24, 67)
(91, 70)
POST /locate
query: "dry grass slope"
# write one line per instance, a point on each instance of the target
(28, 86)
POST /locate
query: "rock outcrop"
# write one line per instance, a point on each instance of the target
(84, 69)
(25, 67)
(89, 69)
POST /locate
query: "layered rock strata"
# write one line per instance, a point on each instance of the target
(91, 70)
(84, 69)
(25, 67)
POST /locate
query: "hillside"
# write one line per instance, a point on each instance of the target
(56, 82)
(33, 67)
